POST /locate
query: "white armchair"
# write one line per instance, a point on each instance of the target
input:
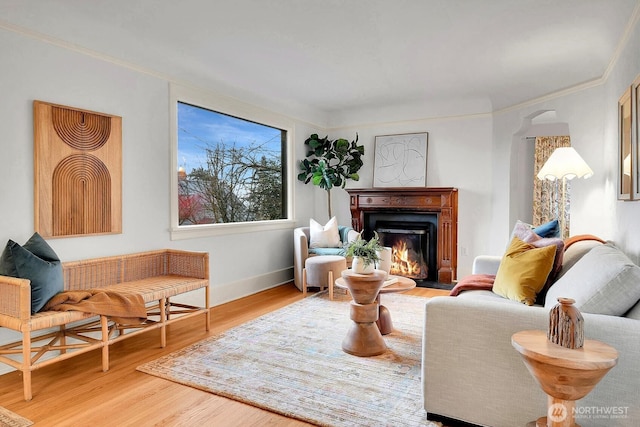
(301, 249)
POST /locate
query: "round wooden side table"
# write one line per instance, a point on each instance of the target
(401, 284)
(363, 337)
(564, 374)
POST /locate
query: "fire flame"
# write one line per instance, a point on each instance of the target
(403, 264)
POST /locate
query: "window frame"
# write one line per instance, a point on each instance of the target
(232, 107)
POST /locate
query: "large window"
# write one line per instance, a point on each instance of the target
(230, 169)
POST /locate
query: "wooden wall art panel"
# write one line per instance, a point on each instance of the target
(78, 171)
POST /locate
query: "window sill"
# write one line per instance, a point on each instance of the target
(197, 231)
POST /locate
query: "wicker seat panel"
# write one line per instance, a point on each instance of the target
(43, 320)
(155, 288)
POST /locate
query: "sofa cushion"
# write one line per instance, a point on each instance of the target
(575, 248)
(324, 236)
(523, 271)
(527, 234)
(38, 262)
(485, 295)
(603, 281)
(634, 313)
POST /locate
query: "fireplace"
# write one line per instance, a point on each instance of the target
(412, 252)
(426, 218)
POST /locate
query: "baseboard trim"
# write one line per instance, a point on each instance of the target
(226, 292)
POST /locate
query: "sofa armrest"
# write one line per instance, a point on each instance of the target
(468, 341)
(486, 264)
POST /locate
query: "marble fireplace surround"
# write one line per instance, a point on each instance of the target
(441, 201)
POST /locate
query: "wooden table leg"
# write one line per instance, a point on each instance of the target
(384, 320)
(364, 338)
(560, 413)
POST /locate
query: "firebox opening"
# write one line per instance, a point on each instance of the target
(415, 239)
(409, 250)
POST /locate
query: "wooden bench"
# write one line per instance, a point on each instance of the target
(156, 276)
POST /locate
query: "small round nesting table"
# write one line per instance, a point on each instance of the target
(564, 374)
(400, 284)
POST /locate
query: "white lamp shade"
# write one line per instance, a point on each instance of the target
(565, 162)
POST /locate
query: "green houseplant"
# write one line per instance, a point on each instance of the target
(329, 163)
(365, 254)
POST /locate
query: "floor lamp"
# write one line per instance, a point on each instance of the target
(563, 164)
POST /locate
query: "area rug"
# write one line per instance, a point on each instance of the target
(11, 419)
(291, 362)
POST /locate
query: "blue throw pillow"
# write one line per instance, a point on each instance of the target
(549, 229)
(36, 261)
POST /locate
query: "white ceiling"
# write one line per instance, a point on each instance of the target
(337, 56)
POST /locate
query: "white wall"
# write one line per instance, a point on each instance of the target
(592, 117)
(240, 264)
(623, 222)
(43, 71)
(583, 111)
(459, 155)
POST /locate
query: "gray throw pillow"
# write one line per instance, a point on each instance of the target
(36, 261)
(603, 281)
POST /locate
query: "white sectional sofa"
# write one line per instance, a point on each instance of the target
(472, 373)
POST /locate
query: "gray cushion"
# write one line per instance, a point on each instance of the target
(36, 261)
(573, 253)
(603, 281)
(634, 313)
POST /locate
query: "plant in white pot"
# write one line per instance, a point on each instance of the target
(365, 254)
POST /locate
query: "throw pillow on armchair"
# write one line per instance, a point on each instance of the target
(324, 236)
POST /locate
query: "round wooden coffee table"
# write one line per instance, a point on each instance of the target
(401, 284)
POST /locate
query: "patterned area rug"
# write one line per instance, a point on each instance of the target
(291, 362)
(11, 419)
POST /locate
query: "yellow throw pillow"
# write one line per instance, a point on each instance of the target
(523, 271)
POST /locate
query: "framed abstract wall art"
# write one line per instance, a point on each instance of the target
(401, 160)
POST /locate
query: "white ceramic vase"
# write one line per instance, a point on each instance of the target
(358, 266)
(384, 263)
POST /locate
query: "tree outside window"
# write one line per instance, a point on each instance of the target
(230, 169)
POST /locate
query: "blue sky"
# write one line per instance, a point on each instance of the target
(198, 127)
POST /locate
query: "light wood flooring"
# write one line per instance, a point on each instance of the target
(76, 392)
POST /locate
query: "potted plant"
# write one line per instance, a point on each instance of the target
(365, 254)
(329, 163)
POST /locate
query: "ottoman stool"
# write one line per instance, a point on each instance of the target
(320, 271)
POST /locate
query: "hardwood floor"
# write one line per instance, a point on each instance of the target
(76, 392)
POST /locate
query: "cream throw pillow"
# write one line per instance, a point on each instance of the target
(324, 236)
(523, 271)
